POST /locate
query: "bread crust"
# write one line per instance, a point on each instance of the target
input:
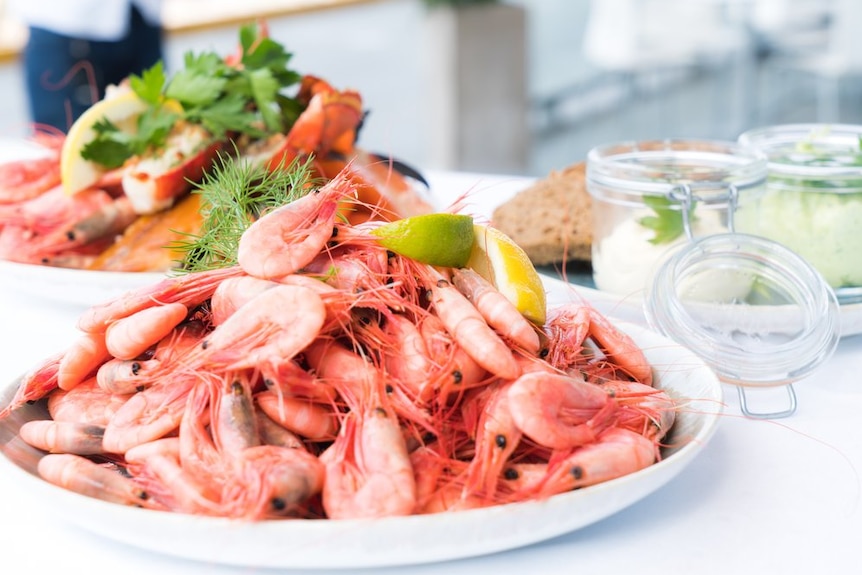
(552, 219)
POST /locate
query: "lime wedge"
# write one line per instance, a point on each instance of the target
(436, 239)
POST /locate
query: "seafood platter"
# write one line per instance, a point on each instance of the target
(305, 368)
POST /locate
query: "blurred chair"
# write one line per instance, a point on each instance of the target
(663, 41)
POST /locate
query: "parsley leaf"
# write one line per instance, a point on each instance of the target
(666, 223)
(227, 99)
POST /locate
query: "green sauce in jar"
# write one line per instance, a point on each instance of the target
(813, 202)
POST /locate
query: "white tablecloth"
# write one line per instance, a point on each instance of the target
(768, 496)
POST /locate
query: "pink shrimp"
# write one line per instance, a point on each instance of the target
(469, 329)
(81, 475)
(156, 466)
(368, 471)
(407, 360)
(272, 433)
(355, 377)
(497, 437)
(149, 414)
(291, 236)
(130, 336)
(232, 293)
(454, 371)
(86, 403)
(34, 385)
(233, 425)
(190, 289)
(642, 408)
(63, 436)
(270, 481)
(559, 411)
(82, 359)
(616, 452)
(120, 376)
(497, 310)
(301, 416)
(22, 180)
(53, 223)
(569, 327)
(620, 348)
(255, 335)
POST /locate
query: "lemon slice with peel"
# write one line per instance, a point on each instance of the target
(437, 239)
(497, 258)
(121, 109)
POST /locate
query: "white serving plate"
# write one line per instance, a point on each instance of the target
(79, 288)
(389, 541)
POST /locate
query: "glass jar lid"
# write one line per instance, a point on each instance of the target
(625, 172)
(755, 311)
(811, 157)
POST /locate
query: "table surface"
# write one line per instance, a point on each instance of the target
(769, 496)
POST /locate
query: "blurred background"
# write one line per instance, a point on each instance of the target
(524, 87)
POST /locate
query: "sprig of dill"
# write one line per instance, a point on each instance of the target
(235, 193)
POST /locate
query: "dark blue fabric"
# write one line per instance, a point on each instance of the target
(59, 89)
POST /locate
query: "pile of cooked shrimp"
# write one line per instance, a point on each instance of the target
(324, 376)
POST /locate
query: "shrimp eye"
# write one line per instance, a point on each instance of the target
(511, 474)
(577, 472)
(543, 353)
(136, 367)
(457, 376)
(389, 389)
(500, 440)
(236, 388)
(334, 231)
(279, 504)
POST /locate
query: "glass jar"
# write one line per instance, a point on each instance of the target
(652, 196)
(663, 214)
(813, 199)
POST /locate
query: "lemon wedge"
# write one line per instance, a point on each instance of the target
(497, 258)
(437, 239)
(121, 109)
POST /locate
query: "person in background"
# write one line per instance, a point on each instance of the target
(76, 48)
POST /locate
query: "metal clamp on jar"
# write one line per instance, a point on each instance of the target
(664, 213)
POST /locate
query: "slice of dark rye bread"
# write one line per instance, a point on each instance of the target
(552, 219)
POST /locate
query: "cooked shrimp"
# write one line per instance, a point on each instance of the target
(82, 359)
(86, 403)
(497, 310)
(189, 289)
(300, 416)
(232, 293)
(63, 436)
(615, 453)
(470, 331)
(149, 414)
(620, 348)
(643, 408)
(270, 481)
(291, 236)
(497, 436)
(368, 471)
(256, 335)
(122, 376)
(79, 474)
(559, 411)
(36, 384)
(130, 336)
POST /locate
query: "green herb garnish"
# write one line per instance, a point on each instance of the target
(244, 98)
(667, 223)
(233, 195)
